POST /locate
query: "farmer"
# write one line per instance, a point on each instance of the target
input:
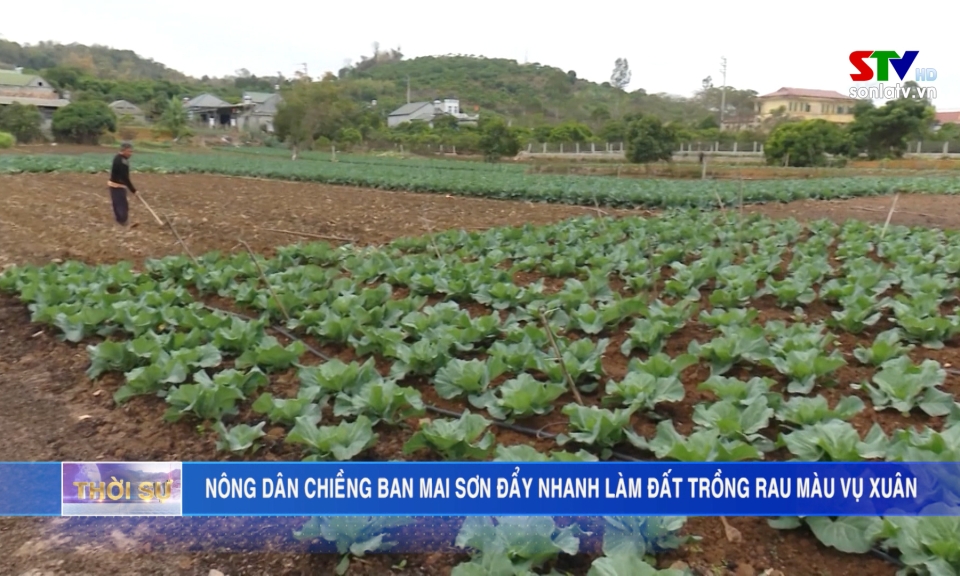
(120, 182)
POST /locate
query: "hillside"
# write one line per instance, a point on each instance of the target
(98, 61)
(529, 93)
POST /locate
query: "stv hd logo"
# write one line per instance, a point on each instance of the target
(886, 59)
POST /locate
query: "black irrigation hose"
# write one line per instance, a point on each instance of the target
(539, 434)
(885, 556)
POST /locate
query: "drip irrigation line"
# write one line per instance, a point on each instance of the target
(885, 556)
(536, 433)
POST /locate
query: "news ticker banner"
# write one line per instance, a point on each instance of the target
(475, 489)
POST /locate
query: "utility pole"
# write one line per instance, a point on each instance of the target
(408, 89)
(723, 89)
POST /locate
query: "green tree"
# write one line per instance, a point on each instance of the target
(613, 131)
(649, 140)
(174, 119)
(314, 110)
(886, 131)
(947, 133)
(497, 139)
(21, 121)
(805, 143)
(570, 132)
(83, 122)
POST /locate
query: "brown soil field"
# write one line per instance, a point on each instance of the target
(52, 411)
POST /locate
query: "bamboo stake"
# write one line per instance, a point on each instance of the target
(155, 217)
(182, 243)
(563, 366)
(308, 235)
(266, 280)
(893, 207)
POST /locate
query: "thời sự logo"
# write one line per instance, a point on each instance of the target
(121, 489)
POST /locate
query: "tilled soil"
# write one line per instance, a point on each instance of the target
(51, 411)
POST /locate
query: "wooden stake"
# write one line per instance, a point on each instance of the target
(155, 217)
(182, 243)
(266, 280)
(563, 366)
(893, 207)
(308, 235)
(740, 247)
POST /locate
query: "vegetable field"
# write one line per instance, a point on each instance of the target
(690, 336)
(501, 181)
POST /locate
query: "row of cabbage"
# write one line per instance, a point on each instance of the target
(496, 181)
(346, 296)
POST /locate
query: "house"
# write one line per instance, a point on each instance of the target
(211, 111)
(259, 110)
(30, 90)
(122, 109)
(736, 122)
(941, 118)
(427, 111)
(806, 104)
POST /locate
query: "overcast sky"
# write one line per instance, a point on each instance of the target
(670, 47)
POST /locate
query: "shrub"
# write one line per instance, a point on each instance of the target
(83, 122)
(23, 122)
(7, 140)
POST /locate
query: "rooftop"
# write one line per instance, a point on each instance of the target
(806, 93)
(39, 102)
(257, 97)
(410, 108)
(124, 105)
(207, 101)
(12, 78)
(948, 117)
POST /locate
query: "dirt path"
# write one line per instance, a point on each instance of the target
(51, 412)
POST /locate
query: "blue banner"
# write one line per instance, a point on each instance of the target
(571, 489)
(472, 489)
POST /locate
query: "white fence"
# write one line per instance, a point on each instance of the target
(692, 150)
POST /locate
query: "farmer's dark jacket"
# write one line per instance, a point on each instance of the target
(120, 173)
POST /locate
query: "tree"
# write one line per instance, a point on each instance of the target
(620, 79)
(314, 110)
(83, 122)
(174, 119)
(570, 132)
(806, 143)
(621, 76)
(648, 140)
(885, 131)
(497, 139)
(948, 132)
(21, 121)
(613, 131)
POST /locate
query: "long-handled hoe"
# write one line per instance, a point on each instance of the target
(155, 217)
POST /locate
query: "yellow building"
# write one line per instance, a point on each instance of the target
(804, 104)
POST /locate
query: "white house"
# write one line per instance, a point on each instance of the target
(427, 111)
